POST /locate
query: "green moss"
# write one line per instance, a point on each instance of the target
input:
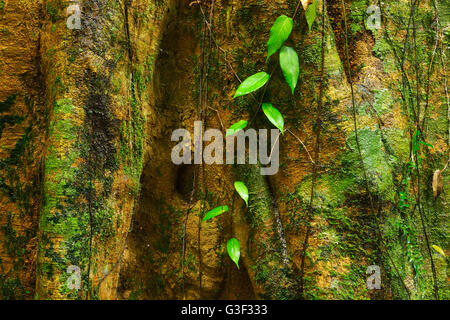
(444, 12)
(163, 228)
(53, 9)
(260, 203)
(383, 101)
(383, 50)
(358, 15)
(19, 192)
(62, 212)
(6, 105)
(376, 166)
(14, 243)
(399, 142)
(265, 253)
(80, 168)
(10, 287)
(312, 53)
(133, 130)
(19, 149)
(9, 120)
(333, 66)
(59, 168)
(8, 190)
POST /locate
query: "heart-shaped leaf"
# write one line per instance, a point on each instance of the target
(279, 33)
(215, 212)
(238, 126)
(234, 250)
(241, 188)
(273, 115)
(290, 66)
(311, 13)
(251, 84)
(438, 249)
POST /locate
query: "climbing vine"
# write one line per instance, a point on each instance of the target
(289, 64)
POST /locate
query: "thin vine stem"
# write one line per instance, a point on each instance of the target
(446, 94)
(419, 205)
(296, 9)
(315, 162)
(195, 186)
(406, 92)
(271, 73)
(436, 17)
(350, 80)
(303, 145)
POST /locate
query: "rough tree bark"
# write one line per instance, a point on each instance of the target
(86, 118)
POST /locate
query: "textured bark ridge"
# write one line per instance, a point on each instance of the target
(86, 177)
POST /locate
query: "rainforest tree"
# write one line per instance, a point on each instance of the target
(92, 206)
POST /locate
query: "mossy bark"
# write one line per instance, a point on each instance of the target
(94, 153)
(86, 179)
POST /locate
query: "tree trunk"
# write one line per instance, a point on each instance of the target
(87, 181)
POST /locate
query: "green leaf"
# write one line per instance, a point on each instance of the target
(274, 116)
(251, 84)
(426, 144)
(238, 126)
(215, 212)
(311, 13)
(438, 249)
(290, 66)
(241, 188)
(234, 250)
(279, 33)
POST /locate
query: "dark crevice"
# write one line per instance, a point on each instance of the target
(184, 184)
(336, 18)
